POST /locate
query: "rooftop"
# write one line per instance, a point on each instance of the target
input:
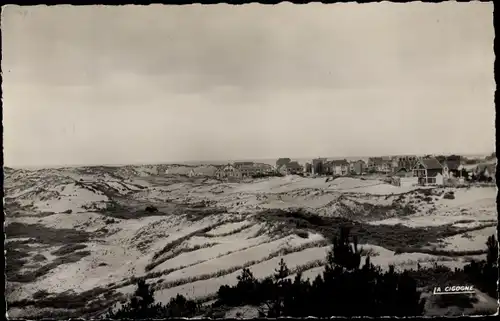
(294, 165)
(452, 164)
(340, 162)
(431, 163)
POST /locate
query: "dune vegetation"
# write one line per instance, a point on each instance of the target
(80, 241)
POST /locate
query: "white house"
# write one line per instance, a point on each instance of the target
(341, 167)
(429, 172)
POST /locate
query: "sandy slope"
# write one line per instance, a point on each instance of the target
(121, 248)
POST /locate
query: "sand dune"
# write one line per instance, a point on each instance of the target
(205, 230)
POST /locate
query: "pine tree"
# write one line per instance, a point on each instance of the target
(281, 272)
(143, 295)
(293, 298)
(246, 277)
(180, 307)
(282, 286)
(492, 255)
(342, 253)
(297, 281)
(246, 287)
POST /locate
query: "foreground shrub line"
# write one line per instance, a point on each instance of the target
(375, 293)
(344, 282)
(196, 304)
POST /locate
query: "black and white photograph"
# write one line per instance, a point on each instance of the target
(244, 161)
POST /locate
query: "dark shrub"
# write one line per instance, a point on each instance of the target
(302, 234)
(428, 199)
(151, 209)
(40, 294)
(39, 258)
(109, 221)
(449, 195)
(67, 249)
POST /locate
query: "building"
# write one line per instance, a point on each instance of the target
(394, 163)
(340, 167)
(357, 167)
(318, 166)
(250, 169)
(328, 168)
(263, 168)
(380, 164)
(429, 172)
(451, 167)
(228, 171)
(408, 162)
(373, 162)
(294, 168)
(403, 177)
(246, 169)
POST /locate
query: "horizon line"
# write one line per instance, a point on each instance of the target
(209, 162)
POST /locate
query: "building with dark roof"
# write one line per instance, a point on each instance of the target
(429, 172)
(291, 168)
(228, 172)
(294, 168)
(250, 169)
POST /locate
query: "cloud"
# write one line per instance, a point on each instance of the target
(333, 46)
(192, 79)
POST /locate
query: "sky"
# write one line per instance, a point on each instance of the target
(148, 84)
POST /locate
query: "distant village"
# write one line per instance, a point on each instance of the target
(398, 170)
